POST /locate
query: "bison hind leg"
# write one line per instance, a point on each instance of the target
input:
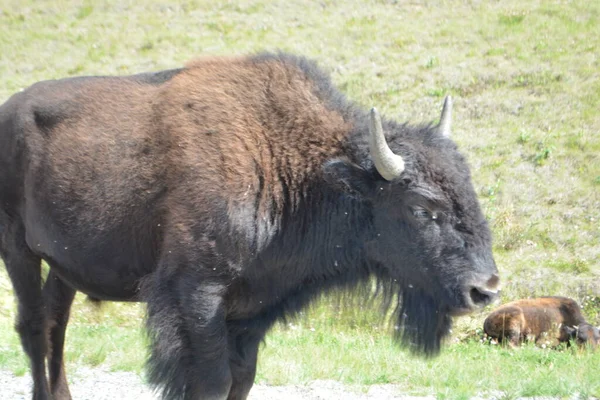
(24, 270)
(513, 335)
(58, 298)
(508, 336)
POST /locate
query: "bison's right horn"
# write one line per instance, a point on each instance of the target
(446, 118)
(389, 165)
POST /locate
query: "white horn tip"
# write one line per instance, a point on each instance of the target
(446, 117)
(448, 103)
(388, 164)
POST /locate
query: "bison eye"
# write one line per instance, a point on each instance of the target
(422, 213)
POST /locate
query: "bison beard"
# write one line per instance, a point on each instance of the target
(421, 322)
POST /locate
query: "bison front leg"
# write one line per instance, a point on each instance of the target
(58, 298)
(243, 351)
(186, 321)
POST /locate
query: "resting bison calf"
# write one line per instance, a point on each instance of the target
(558, 318)
(228, 194)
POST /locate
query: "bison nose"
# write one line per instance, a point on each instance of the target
(482, 298)
(483, 295)
(493, 283)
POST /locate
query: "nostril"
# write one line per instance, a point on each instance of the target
(482, 297)
(493, 283)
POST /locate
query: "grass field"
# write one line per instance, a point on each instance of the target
(525, 77)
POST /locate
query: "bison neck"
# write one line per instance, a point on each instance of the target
(317, 248)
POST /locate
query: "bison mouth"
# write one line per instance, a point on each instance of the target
(421, 317)
(424, 317)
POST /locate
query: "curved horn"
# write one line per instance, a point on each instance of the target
(388, 164)
(446, 118)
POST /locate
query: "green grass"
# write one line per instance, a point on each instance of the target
(526, 82)
(300, 355)
(349, 346)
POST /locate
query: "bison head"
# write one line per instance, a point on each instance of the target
(426, 237)
(583, 334)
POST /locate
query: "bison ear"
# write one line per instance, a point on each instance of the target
(349, 177)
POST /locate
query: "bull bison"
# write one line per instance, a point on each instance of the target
(227, 195)
(556, 318)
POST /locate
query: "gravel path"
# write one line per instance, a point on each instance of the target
(98, 384)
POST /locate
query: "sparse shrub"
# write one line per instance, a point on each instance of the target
(511, 19)
(524, 137)
(542, 154)
(591, 308)
(576, 266)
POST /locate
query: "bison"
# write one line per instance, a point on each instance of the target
(556, 318)
(227, 195)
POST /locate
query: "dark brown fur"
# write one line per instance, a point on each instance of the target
(539, 318)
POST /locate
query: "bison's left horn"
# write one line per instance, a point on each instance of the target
(389, 165)
(446, 118)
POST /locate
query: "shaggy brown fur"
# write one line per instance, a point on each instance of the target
(535, 319)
